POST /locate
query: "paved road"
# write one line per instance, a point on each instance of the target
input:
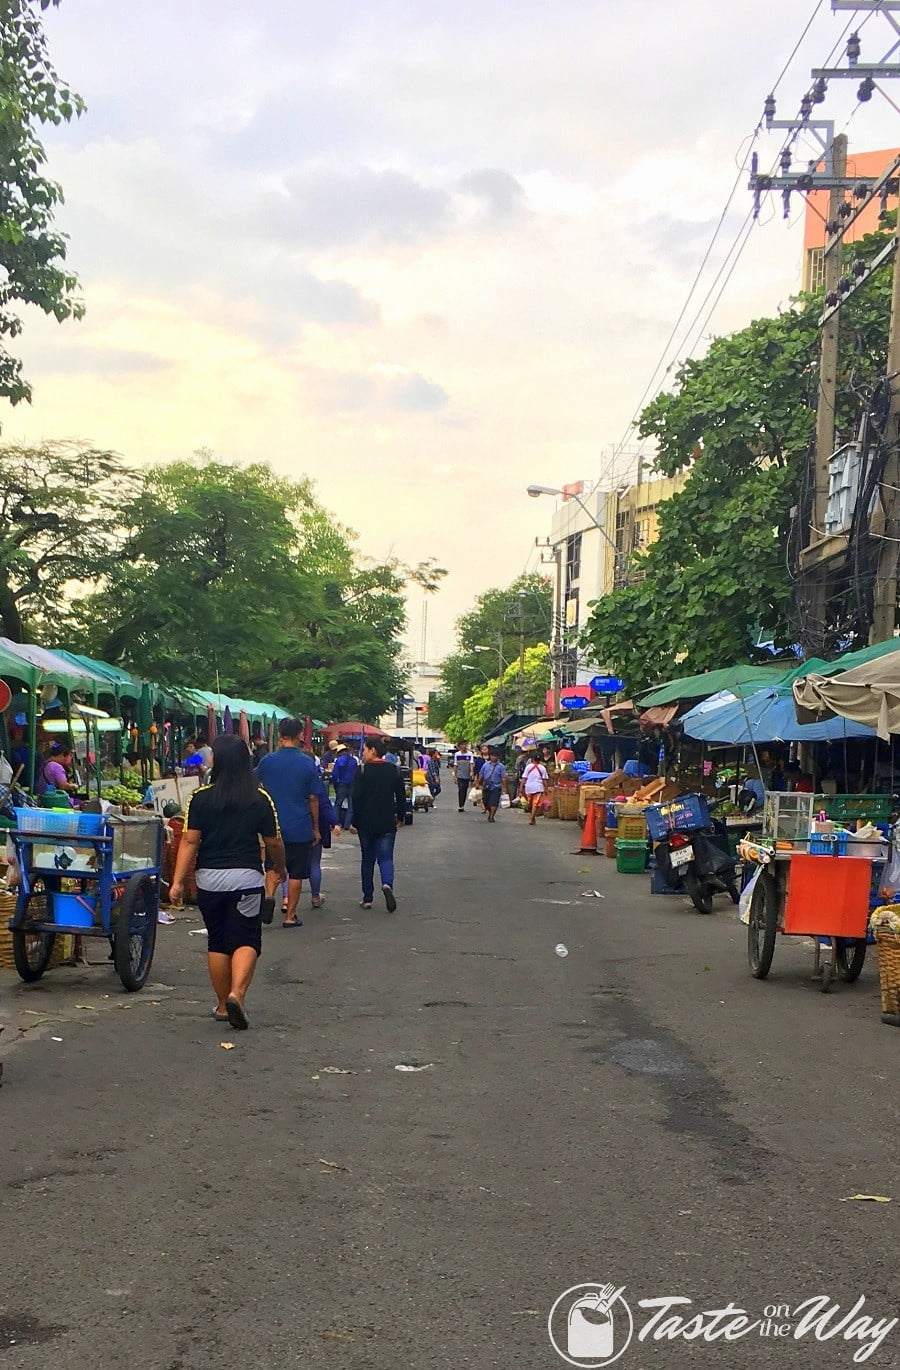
(639, 1112)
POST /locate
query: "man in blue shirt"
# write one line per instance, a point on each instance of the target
(289, 777)
(342, 775)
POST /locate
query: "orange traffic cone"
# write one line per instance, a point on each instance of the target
(589, 831)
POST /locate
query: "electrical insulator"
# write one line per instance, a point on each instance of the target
(769, 107)
(786, 201)
(831, 227)
(844, 285)
(866, 87)
(806, 105)
(831, 298)
(784, 160)
(861, 191)
(854, 47)
(820, 86)
(844, 210)
(858, 268)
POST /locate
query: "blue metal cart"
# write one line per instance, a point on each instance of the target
(90, 875)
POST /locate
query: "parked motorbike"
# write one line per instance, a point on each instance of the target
(699, 862)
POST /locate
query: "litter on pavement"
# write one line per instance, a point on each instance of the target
(562, 949)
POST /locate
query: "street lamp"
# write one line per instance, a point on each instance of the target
(535, 491)
(501, 667)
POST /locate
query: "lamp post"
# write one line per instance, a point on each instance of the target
(535, 492)
(501, 693)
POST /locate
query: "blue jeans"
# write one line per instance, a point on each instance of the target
(376, 847)
(342, 793)
(315, 870)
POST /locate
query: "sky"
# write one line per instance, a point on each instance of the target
(426, 252)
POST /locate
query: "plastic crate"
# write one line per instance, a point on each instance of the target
(74, 910)
(632, 827)
(59, 822)
(684, 814)
(631, 857)
(852, 808)
(828, 844)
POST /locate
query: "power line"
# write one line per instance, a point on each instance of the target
(736, 244)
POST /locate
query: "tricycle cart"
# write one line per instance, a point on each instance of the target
(825, 897)
(89, 874)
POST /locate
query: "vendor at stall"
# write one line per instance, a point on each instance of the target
(54, 772)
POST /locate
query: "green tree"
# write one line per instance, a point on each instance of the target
(60, 523)
(481, 707)
(233, 573)
(495, 621)
(742, 419)
(32, 251)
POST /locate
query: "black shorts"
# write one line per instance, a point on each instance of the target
(228, 928)
(491, 797)
(297, 857)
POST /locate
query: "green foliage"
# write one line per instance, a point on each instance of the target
(59, 523)
(742, 419)
(233, 573)
(482, 706)
(494, 622)
(32, 253)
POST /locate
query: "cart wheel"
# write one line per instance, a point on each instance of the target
(851, 957)
(32, 950)
(762, 928)
(135, 931)
(700, 893)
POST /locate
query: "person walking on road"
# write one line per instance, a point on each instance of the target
(328, 823)
(223, 824)
(493, 780)
(379, 809)
(289, 775)
(343, 773)
(463, 771)
(434, 772)
(534, 784)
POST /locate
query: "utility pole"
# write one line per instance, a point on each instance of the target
(520, 693)
(554, 554)
(501, 692)
(884, 615)
(817, 571)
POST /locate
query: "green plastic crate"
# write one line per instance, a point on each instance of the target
(852, 808)
(631, 857)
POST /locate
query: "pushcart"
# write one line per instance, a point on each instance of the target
(825, 897)
(90, 875)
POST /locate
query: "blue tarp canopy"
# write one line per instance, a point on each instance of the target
(766, 716)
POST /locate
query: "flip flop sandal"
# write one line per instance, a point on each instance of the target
(317, 901)
(220, 1017)
(236, 1015)
(294, 923)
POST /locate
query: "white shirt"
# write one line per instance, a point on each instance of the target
(534, 776)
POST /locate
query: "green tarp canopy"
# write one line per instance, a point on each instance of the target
(35, 666)
(740, 680)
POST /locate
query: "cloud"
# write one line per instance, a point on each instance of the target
(503, 195)
(73, 359)
(330, 208)
(383, 390)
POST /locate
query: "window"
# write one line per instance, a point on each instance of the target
(814, 269)
(573, 561)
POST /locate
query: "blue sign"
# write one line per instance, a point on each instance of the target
(573, 702)
(607, 684)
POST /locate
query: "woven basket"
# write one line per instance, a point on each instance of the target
(888, 944)
(567, 804)
(63, 948)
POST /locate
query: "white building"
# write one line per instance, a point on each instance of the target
(411, 718)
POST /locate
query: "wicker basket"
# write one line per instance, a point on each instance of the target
(567, 804)
(888, 944)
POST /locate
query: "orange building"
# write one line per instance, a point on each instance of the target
(858, 164)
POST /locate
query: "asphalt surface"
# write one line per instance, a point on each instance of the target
(638, 1112)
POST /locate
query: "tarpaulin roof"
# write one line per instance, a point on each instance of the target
(35, 666)
(766, 716)
(867, 694)
(740, 679)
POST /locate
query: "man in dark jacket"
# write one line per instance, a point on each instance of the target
(379, 809)
(343, 773)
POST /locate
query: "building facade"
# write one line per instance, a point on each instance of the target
(858, 164)
(595, 535)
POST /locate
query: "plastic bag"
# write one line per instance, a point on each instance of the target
(746, 898)
(505, 801)
(890, 877)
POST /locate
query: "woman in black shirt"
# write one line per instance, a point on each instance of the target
(223, 825)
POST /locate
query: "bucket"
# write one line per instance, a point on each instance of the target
(74, 910)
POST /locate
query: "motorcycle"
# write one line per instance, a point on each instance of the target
(699, 862)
